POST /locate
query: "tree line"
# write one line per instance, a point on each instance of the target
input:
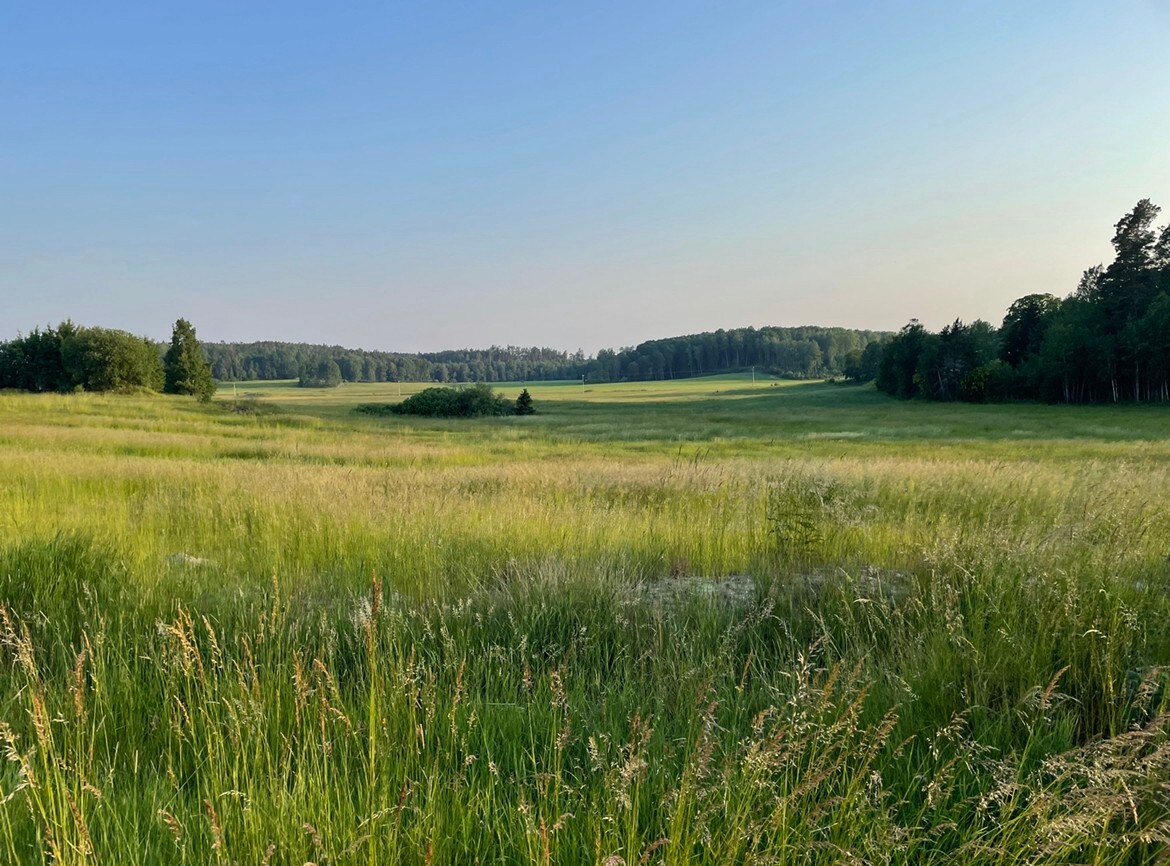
(243, 362)
(1108, 341)
(69, 357)
(805, 352)
(800, 353)
(73, 358)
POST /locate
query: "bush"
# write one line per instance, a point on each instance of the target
(378, 410)
(474, 402)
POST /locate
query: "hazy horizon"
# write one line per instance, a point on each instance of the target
(420, 177)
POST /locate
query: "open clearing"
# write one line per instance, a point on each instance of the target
(701, 621)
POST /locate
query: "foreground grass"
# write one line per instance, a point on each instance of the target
(290, 634)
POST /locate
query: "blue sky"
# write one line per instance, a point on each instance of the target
(421, 176)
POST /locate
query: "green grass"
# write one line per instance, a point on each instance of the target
(292, 633)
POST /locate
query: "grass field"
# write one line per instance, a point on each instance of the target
(702, 621)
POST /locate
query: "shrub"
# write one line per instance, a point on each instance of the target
(378, 410)
(474, 402)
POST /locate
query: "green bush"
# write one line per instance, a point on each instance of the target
(474, 402)
(378, 410)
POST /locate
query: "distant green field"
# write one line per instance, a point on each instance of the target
(723, 411)
(681, 622)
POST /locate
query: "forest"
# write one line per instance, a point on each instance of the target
(244, 362)
(801, 353)
(792, 353)
(1108, 341)
(37, 360)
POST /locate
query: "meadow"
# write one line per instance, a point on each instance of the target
(707, 621)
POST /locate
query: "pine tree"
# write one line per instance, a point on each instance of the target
(524, 404)
(187, 370)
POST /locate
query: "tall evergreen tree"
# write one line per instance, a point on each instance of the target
(187, 370)
(524, 404)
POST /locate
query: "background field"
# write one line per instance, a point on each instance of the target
(673, 622)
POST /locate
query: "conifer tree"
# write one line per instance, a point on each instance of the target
(524, 404)
(187, 370)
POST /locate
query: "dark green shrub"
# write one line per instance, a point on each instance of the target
(474, 402)
(378, 410)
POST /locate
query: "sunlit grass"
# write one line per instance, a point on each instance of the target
(292, 634)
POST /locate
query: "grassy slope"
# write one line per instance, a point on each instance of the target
(952, 601)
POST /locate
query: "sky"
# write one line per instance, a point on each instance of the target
(422, 176)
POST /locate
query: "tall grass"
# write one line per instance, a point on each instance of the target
(275, 638)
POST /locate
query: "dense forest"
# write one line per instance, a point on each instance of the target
(804, 352)
(39, 361)
(242, 362)
(1107, 341)
(799, 353)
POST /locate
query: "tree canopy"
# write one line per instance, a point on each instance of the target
(69, 357)
(186, 369)
(326, 374)
(1109, 340)
(803, 352)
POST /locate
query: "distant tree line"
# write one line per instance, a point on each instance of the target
(73, 358)
(327, 374)
(805, 352)
(799, 353)
(1107, 341)
(242, 362)
(116, 359)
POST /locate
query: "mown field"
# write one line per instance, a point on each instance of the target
(657, 623)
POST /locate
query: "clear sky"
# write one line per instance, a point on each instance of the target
(416, 176)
